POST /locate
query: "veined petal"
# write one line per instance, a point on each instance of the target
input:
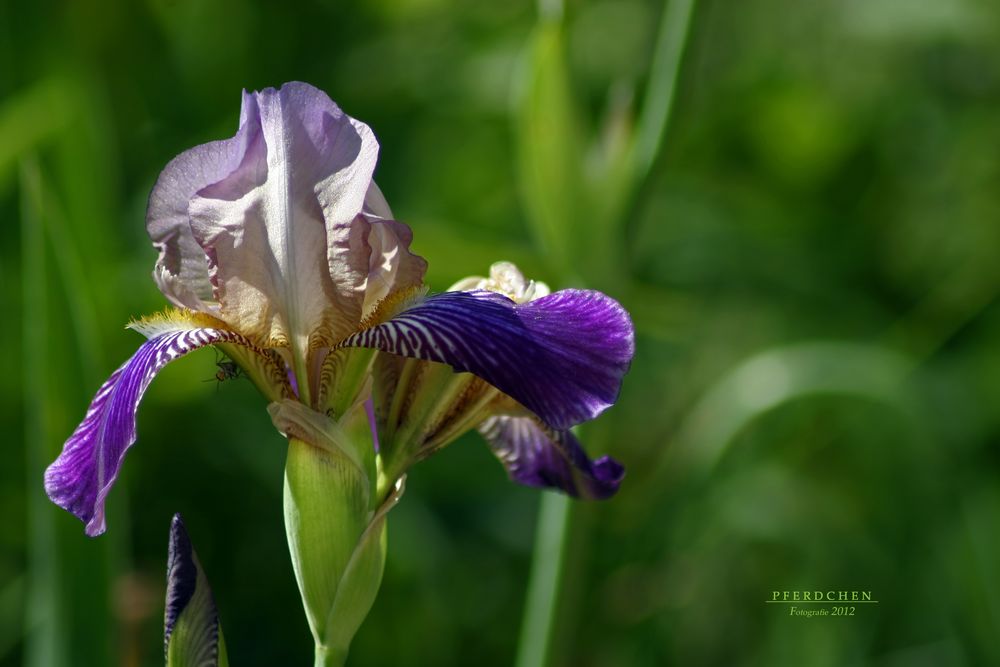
(287, 261)
(562, 356)
(80, 479)
(537, 456)
(181, 270)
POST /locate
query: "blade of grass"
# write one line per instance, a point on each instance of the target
(30, 117)
(73, 280)
(550, 148)
(548, 558)
(11, 614)
(45, 621)
(664, 74)
(68, 615)
(775, 377)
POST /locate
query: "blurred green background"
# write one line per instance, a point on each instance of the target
(809, 255)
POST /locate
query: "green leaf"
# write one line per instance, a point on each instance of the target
(34, 116)
(61, 627)
(781, 374)
(550, 145)
(362, 577)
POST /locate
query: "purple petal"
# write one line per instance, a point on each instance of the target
(182, 575)
(80, 479)
(187, 606)
(536, 456)
(562, 356)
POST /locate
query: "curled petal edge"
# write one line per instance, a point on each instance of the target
(540, 457)
(80, 479)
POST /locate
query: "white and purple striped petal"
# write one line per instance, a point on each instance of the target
(80, 479)
(540, 457)
(562, 356)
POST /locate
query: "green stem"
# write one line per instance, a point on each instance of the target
(544, 584)
(535, 642)
(329, 657)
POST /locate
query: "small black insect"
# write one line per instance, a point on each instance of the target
(228, 370)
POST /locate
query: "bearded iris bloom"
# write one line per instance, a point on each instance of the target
(277, 247)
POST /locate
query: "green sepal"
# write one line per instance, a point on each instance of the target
(335, 525)
(551, 147)
(361, 580)
(192, 635)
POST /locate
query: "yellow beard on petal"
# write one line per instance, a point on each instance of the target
(173, 319)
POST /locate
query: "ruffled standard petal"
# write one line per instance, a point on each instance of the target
(392, 267)
(286, 259)
(540, 457)
(80, 479)
(562, 356)
(182, 269)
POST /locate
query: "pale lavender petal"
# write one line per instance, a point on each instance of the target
(537, 456)
(80, 479)
(182, 269)
(375, 203)
(392, 267)
(287, 255)
(562, 356)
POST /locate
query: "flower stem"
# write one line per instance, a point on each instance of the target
(535, 642)
(545, 582)
(329, 657)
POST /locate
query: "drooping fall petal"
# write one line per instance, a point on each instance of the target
(537, 456)
(81, 478)
(562, 356)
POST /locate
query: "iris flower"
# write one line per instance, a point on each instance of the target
(277, 247)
